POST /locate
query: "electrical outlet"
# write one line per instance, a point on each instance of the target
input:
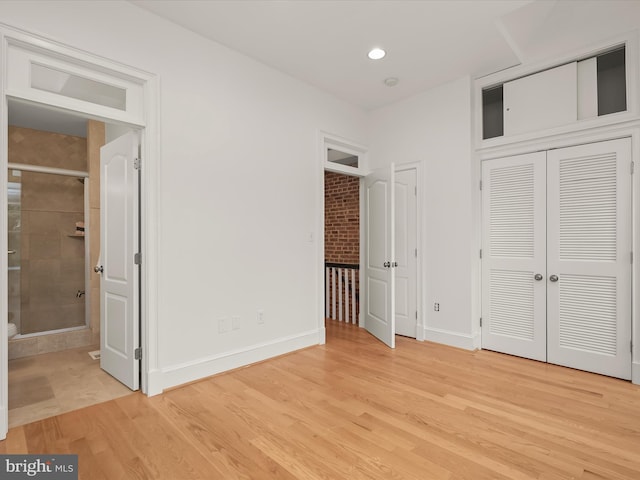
(223, 325)
(260, 317)
(235, 323)
(436, 307)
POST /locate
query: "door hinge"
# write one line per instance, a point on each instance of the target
(480, 253)
(415, 191)
(480, 321)
(137, 353)
(631, 257)
(137, 258)
(631, 346)
(480, 184)
(632, 167)
(416, 252)
(136, 163)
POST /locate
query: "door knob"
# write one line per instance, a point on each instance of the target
(538, 276)
(11, 252)
(98, 269)
(553, 278)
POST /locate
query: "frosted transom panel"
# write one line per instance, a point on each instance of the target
(74, 86)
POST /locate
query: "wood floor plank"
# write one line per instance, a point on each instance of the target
(355, 409)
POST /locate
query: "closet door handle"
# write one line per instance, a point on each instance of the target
(538, 276)
(553, 278)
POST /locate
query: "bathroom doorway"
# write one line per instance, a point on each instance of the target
(53, 239)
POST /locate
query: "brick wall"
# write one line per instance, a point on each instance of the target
(341, 218)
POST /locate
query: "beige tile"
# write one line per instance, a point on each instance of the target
(32, 413)
(23, 347)
(51, 343)
(45, 246)
(79, 338)
(74, 378)
(29, 390)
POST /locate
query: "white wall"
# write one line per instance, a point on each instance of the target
(434, 128)
(238, 183)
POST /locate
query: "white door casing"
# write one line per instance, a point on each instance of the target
(119, 286)
(406, 252)
(379, 275)
(513, 251)
(564, 214)
(588, 250)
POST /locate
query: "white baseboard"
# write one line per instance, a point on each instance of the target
(205, 367)
(154, 383)
(635, 373)
(453, 339)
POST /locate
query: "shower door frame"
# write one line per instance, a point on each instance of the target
(143, 118)
(85, 214)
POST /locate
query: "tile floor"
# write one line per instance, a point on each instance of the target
(44, 385)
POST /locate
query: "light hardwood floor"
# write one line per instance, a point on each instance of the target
(354, 409)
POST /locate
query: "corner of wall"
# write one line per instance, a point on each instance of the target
(453, 339)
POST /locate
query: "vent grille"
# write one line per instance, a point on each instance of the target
(588, 188)
(512, 211)
(588, 313)
(512, 304)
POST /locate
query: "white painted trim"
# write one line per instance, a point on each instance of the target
(214, 364)
(417, 166)
(453, 339)
(325, 141)
(328, 140)
(4, 314)
(608, 132)
(630, 40)
(151, 383)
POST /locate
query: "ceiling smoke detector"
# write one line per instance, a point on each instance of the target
(391, 81)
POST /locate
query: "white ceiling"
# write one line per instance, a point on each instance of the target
(428, 42)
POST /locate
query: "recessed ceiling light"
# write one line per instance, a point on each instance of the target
(376, 54)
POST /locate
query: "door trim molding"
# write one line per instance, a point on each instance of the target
(420, 235)
(150, 150)
(325, 141)
(610, 132)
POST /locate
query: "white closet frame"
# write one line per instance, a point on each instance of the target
(618, 125)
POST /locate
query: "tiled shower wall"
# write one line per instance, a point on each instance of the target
(53, 261)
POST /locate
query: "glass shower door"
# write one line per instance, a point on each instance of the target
(14, 251)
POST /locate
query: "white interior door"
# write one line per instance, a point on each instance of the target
(406, 253)
(379, 278)
(119, 311)
(588, 257)
(514, 257)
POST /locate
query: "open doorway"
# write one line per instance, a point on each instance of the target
(342, 247)
(54, 242)
(370, 224)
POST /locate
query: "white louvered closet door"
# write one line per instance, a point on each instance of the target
(588, 250)
(513, 250)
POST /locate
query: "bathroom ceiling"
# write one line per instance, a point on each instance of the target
(428, 42)
(31, 115)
